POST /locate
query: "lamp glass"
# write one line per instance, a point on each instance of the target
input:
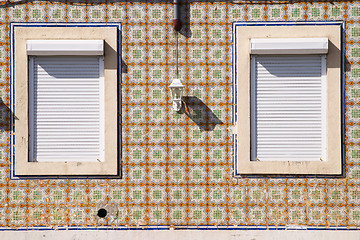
(177, 92)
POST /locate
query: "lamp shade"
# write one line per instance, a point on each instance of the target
(176, 89)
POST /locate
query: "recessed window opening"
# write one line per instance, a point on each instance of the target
(66, 81)
(287, 91)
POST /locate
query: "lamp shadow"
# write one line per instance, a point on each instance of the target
(197, 111)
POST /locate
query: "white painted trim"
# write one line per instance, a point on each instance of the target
(324, 103)
(102, 109)
(253, 151)
(289, 46)
(65, 47)
(194, 234)
(31, 109)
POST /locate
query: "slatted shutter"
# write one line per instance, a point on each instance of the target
(288, 107)
(66, 98)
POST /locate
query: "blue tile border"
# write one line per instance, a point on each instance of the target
(203, 227)
(13, 25)
(234, 83)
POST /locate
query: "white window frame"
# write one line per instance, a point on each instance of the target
(242, 36)
(109, 35)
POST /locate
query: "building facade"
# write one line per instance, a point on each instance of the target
(176, 170)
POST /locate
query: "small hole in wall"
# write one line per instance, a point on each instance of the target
(102, 213)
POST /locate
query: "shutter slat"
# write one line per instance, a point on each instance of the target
(287, 102)
(66, 109)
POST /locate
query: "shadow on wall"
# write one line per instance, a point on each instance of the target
(5, 114)
(197, 111)
(94, 2)
(184, 14)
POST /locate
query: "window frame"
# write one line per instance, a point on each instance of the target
(20, 104)
(242, 35)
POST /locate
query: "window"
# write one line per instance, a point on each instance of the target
(66, 96)
(66, 100)
(288, 99)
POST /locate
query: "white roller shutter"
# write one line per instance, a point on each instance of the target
(66, 109)
(288, 107)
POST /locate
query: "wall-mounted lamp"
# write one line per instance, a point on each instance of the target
(177, 89)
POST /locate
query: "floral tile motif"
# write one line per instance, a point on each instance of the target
(296, 12)
(57, 14)
(255, 13)
(197, 12)
(217, 12)
(77, 13)
(157, 215)
(336, 11)
(157, 175)
(316, 11)
(278, 13)
(16, 14)
(98, 13)
(116, 12)
(136, 13)
(36, 14)
(352, 11)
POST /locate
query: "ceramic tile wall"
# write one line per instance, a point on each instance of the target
(177, 168)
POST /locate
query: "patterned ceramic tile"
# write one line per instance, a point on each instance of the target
(335, 11)
(315, 11)
(116, 12)
(57, 14)
(177, 215)
(157, 174)
(217, 12)
(17, 14)
(197, 13)
(157, 215)
(296, 12)
(97, 13)
(37, 13)
(352, 11)
(277, 13)
(137, 13)
(256, 13)
(77, 13)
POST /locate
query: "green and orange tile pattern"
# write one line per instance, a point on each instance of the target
(174, 171)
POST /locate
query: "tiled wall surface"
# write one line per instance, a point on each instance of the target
(177, 168)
